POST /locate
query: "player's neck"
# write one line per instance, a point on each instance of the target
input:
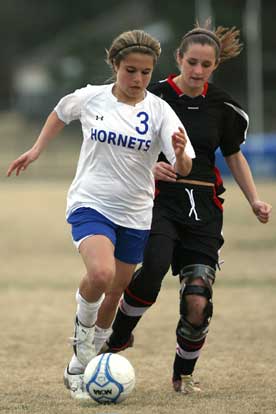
(186, 89)
(128, 99)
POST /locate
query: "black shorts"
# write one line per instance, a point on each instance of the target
(192, 217)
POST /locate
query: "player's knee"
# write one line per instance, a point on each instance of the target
(101, 277)
(196, 307)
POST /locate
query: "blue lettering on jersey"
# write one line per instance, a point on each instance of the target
(132, 142)
(113, 138)
(93, 134)
(141, 142)
(102, 135)
(122, 140)
(147, 145)
(144, 121)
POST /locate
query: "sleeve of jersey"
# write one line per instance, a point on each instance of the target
(235, 128)
(170, 124)
(69, 107)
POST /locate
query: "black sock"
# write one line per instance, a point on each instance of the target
(183, 367)
(123, 326)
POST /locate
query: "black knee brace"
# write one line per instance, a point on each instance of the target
(189, 273)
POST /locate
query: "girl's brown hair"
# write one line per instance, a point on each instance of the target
(129, 42)
(224, 40)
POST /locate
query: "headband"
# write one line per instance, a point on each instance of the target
(208, 34)
(137, 45)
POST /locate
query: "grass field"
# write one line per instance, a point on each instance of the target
(40, 271)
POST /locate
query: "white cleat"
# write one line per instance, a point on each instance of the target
(74, 383)
(83, 343)
(186, 385)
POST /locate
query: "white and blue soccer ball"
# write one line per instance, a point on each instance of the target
(109, 378)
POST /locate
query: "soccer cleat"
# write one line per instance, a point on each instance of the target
(83, 343)
(107, 348)
(186, 385)
(74, 383)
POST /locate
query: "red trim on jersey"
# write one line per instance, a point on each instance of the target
(216, 200)
(218, 183)
(144, 302)
(174, 85)
(218, 177)
(205, 89)
(179, 91)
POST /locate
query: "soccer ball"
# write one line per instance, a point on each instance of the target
(109, 378)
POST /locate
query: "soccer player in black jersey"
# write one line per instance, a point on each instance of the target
(187, 215)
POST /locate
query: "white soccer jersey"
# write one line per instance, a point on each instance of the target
(120, 145)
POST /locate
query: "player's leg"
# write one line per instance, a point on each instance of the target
(95, 238)
(129, 251)
(109, 305)
(196, 262)
(196, 309)
(97, 253)
(142, 291)
(124, 272)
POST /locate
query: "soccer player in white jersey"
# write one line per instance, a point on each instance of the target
(109, 203)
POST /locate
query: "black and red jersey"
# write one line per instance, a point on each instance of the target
(212, 120)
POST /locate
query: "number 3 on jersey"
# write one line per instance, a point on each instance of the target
(143, 128)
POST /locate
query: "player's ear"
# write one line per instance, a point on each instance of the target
(115, 67)
(217, 64)
(178, 57)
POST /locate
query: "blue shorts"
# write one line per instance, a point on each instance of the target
(129, 243)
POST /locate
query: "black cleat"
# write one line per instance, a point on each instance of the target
(106, 348)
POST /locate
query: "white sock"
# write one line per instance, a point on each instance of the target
(100, 336)
(87, 311)
(75, 367)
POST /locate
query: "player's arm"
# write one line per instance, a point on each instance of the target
(51, 128)
(243, 176)
(183, 163)
(178, 151)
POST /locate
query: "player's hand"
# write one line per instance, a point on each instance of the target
(179, 142)
(262, 210)
(164, 172)
(22, 162)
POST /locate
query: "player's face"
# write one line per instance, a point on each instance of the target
(133, 76)
(196, 66)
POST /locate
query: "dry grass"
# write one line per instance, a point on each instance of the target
(40, 271)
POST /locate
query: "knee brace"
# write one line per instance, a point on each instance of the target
(198, 271)
(185, 329)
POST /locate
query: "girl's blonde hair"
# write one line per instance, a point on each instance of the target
(129, 42)
(225, 41)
